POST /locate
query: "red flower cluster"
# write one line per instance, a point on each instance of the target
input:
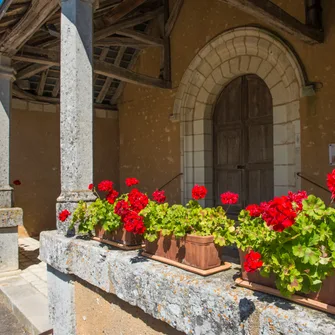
(229, 198)
(17, 182)
(199, 192)
(137, 200)
(159, 196)
(331, 183)
(253, 261)
(133, 223)
(105, 186)
(131, 182)
(279, 213)
(63, 215)
(121, 208)
(111, 196)
(90, 187)
(297, 197)
(254, 210)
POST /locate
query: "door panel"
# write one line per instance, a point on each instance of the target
(243, 141)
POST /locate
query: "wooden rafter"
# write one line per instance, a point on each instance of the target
(272, 14)
(121, 41)
(56, 89)
(173, 17)
(42, 82)
(27, 26)
(31, 70)
(4, 7)
(155, 41)
(127, 23)
(122, 9)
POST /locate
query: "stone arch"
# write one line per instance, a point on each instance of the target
(247, 50)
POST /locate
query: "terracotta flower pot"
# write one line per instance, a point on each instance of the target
(120, 236)
(196, 251)
(325, 295)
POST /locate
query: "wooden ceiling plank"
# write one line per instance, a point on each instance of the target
(173, 17)
(121, 41)
(127, 23)
(56, 89)
(27, 26)
(122, 9)
(42, 82)
(31, 71)
(102, 57)
(141, 37)
(273, 15)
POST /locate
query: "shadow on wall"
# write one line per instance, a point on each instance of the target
(35, 161)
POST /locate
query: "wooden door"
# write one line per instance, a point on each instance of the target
(243, 142)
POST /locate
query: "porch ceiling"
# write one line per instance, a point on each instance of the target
(37, 61)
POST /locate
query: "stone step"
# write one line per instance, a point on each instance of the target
(27, 303)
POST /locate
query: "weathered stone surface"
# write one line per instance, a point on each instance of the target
(9, 249)
(188, 302)
(61, 302)
(11, 217)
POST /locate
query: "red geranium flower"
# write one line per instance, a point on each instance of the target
(62, 216)
(279, 213)
(111, 196)
(199, 192)
(253, 261)
(331, 183)
(90, 187)
(159, 196)
(131, 182)
(137, 200)
(17, 182)
(133, 223)
(254, 210)
(297, 197)
(106, 186)
(121, 208)
(229, 198)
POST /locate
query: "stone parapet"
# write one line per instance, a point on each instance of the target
(11, 217)
(188, 302)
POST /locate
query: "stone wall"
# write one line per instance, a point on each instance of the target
(151, 151)
(35, 156)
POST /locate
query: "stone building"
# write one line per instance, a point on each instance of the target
(235, 95)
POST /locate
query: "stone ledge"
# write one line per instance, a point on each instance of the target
(11, 217)
(188, 302)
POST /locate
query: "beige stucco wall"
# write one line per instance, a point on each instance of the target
(35, 160)
(150, 144)
(100, 313)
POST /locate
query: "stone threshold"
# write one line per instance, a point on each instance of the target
(28, 305)
(188, 302)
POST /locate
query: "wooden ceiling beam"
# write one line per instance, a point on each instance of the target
(31, 71)
(41, 85)
(121, 41)
(173, 17)
(4, 7)
(122, 9)
(112, 71)
(273, 15)
(156, 41)
(27, 26)
(127, 23)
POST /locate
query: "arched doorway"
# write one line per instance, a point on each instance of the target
(243, 142)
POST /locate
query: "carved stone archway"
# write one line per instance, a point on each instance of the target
(237, 52)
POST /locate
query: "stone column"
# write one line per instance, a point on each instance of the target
(76, 116)
(10, 218)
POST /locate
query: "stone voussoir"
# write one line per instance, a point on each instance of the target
(188, 302)
(11, 217)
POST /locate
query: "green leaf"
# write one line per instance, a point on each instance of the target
(299, 250)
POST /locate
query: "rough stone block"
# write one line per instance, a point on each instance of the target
(9, 249)
(11, 217)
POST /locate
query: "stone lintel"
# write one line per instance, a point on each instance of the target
(11, 217)
(188, 302)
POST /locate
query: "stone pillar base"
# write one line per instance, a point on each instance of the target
(69, 201)
(10, 219)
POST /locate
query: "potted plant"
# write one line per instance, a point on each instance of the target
(115, 219)
(190, 237)
(288, 244)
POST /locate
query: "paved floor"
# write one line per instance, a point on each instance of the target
(9, 325)
(33, 270)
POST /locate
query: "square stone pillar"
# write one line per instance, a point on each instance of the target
(10, 218)
(76, 115)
